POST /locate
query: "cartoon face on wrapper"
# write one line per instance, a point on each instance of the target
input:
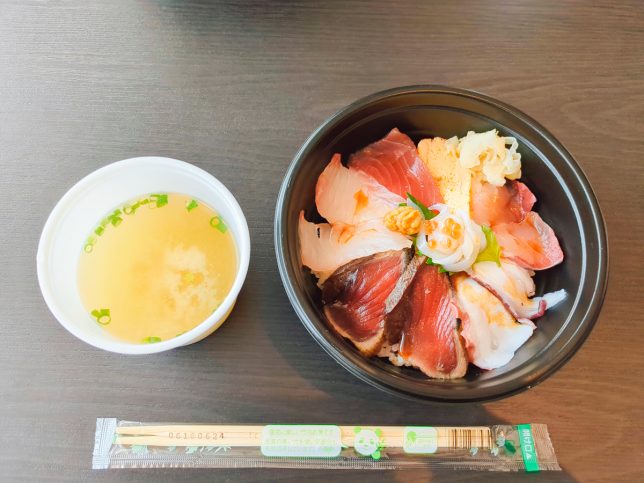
(365, 442)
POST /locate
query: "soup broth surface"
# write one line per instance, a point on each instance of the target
(156, 267)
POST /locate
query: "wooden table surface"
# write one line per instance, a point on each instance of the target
(235, 89)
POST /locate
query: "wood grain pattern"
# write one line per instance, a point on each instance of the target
(235, 88)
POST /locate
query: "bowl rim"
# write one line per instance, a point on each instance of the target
(208, 325)
(589, 317)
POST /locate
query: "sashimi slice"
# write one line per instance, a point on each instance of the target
(324, 248)
(514, 286)
(344, 195)
(396, 320)
(430, 339)
(491, 334)
(531, 244)
(394, 163)
(492, 204)
(359, 295)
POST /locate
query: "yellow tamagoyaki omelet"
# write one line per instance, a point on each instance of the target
(454, 181)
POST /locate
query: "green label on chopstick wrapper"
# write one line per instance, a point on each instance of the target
(420, 440)
(313, 441)
(528, 450)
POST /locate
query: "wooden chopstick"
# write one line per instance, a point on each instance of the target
(251, 436)
(149, 430)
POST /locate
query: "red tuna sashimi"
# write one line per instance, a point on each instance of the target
(394, 163)
(359, 295)
(430, 339)
(492, 204)
(531, 244)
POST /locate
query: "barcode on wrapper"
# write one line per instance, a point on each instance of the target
(427, 439)
(466, 438)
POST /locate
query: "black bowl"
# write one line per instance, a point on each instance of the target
(565, 201)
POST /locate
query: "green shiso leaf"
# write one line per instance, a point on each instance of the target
(427, 213)
(428, 260)
(441, 269)
(492, 252)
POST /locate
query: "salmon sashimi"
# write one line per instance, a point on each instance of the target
(514, 286)
(492, 204)
(523, 236)
(430, 339)
(358, 296)
(344, 195)
(325, 247)
(394, 163)
(491, 334)
(532, 244)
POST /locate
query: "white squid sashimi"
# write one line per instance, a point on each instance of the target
(490, 332)
(514, 285)
(324, 247)
(344, 195)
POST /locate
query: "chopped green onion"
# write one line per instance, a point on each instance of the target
(151, 340)
(218, 223)
(102, 316)
(159, 199)
(427, 213)
(89, 244)
(99, 230)
(131, 209)
(191, 205)
(115, 218)
(402, 204)
(492, 252)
